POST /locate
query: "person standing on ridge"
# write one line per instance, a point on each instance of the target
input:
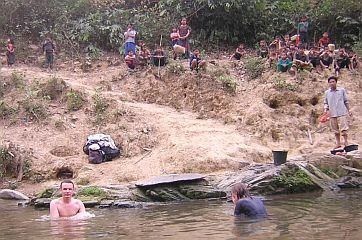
(184, 32)
(130, 43)
(49, 50)
(336, 103)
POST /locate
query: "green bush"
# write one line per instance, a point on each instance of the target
(100, 106)
(357, 47)
(92, 191)
(5, 110)
(228, 83)
(254, 67)
(34, 108)
(176, 68)
(102, 23)
(18, 79)
(5, 161)
(280, 83)
(75, 100)
(52, 89)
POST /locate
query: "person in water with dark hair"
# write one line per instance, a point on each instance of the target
(246, 204)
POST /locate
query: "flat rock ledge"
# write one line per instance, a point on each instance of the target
(323, 172)
(12, 194)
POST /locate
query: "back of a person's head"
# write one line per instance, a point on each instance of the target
(241, 190)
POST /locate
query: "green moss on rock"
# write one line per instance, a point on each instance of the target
(92, 191)
(294, 181)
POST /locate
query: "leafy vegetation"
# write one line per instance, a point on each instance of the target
(254, 67)
(52, 89)
(34, 108)
(74, 100)
(92, 191)
(5, 161)
(100, 106)
(229, 83)
(5, 110)
(10, 163)
(18, 80)
(176, 68)
(92, 25)
(281, 83)
(357, 47)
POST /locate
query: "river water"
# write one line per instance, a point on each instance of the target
(333, 215)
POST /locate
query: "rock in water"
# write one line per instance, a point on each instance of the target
(12, 194)
(172, 178)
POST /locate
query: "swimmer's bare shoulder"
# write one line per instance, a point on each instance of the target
(81, 205)
(54, 212)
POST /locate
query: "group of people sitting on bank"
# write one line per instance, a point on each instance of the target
(292, 54)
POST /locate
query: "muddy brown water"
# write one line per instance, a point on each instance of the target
(334, 215)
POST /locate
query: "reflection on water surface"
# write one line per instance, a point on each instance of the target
(335, 215)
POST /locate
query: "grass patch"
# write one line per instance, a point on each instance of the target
(5, 161)
(52, 89)
(357, 47)
(218, 72)
(17, 80)
(176, 68)
(34, 108)
(74, 99)
(10, 162)
(3, 88)
(254, 67)
(228, 82)
(92, 191)
(280, 83)
(100, 106)
(6, 110)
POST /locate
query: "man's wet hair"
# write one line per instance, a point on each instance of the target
(66, 181)
(332, 77)
(241, 190)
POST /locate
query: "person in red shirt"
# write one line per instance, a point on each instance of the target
(184, 32)
(10, 52)
(130, 60)
(324, 40)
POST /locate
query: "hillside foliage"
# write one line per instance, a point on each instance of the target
(100, 24)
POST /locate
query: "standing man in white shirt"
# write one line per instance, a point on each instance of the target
(130, 43)
(336, 103)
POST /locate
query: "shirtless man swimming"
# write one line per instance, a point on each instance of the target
(66, 206)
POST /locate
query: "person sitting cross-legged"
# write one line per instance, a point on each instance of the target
(239, 52)
(159, 58)
(144, 55)
(326, 59)
(302, 61)
(130, 60)
(195, 61)
(341, 61)
(284, 64)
